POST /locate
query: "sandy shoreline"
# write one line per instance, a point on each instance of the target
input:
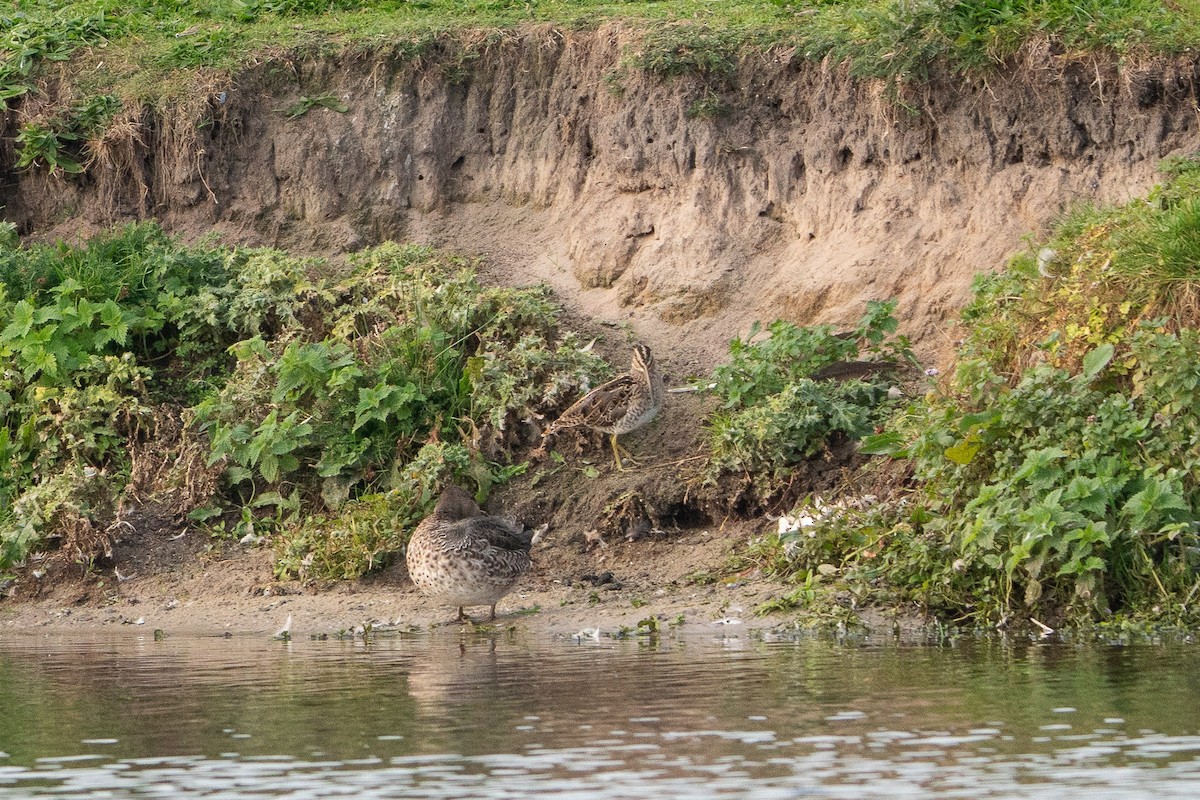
(238, 594)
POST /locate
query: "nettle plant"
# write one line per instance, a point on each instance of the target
(86, 333)
(1071, 493)
(1056, 471)
(406, 351)
(406, 373)
(783, 398)
(307, 394)
(1062, 459)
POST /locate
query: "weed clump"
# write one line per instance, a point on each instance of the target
(407, 361)
(309, 394)
(1057, 471)
(790, 399)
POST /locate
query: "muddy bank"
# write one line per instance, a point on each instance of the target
(608, 589)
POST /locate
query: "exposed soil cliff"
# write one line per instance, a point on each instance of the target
(807, 193)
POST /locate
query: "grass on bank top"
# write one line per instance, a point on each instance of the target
(135, 46)
(115, 57)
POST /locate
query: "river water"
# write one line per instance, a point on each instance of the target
(453, 715)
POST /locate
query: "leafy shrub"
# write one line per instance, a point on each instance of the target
(1057, 471)
(313, 392)
(404, 373)
(777, 410)
(89, 355)
(1072, 489)
(520, 383)
(367, 531)
(73, 506)
(769, 440)
(405, 350)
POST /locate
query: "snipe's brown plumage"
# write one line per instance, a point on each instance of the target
(461, 557)
(621, 405)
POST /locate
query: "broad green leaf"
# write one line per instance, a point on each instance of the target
(115, 329)
(1097, 360)
(251, 348)
(269, 467)
(204, 513)
(85, 312)
(238, 474)
(473, 371)
(1149, 508)
(44, 314)
(889, 443)
(978, 419)
(1038, 462)
(267, 499)
(68, 287)
(343, 376)
(38, 359)
(21, 322)
(382, 401)
(301, 366)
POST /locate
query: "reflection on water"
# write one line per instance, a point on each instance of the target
(451, 717)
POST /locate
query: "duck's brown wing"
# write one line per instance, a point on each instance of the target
(506, 536)
(602, 407)
(487, 533)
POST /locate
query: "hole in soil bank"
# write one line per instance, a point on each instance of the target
(685, 515)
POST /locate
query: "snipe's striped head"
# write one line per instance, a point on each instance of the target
(643, 359)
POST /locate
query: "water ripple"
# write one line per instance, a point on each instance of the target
(501, 717)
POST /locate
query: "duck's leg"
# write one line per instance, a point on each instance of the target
(462, 617)
(492, 616)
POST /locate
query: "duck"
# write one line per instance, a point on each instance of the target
(623, 404)
(460, 556)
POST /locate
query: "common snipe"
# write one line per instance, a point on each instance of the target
(623, 404)
(460, 556)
